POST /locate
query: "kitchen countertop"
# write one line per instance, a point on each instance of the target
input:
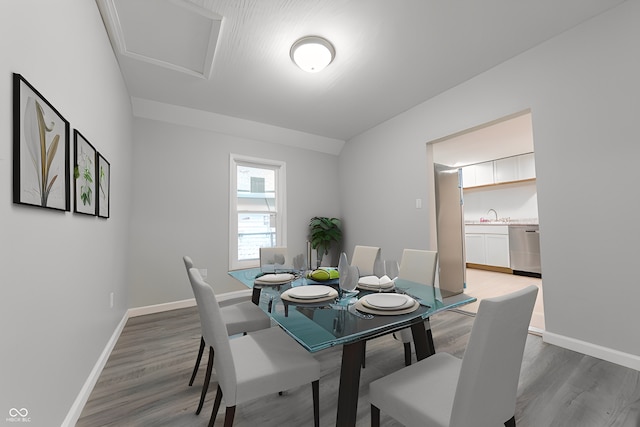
(525, 221)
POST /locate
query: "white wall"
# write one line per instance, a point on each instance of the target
(181, 203)
(518, 201)
(57, 269)
(583, 90)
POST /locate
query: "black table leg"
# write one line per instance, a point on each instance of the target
(423, 340)
(349, 384)
(255, 296)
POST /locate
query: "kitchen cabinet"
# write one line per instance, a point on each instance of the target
(475, 248)
(508, 169)
(487, 245)
(497, 249)
(526, 166)
(516, 168)
(478, 174)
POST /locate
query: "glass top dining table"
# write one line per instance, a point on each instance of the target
(319, 326)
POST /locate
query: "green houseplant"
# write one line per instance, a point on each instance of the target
(323, 233)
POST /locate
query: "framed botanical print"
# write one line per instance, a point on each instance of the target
(84, 174)
(104, 187)
(40, 150)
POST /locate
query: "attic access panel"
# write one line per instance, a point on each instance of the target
(178, 34)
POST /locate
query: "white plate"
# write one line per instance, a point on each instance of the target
(386, 301)
(276, 278)
(310, 291)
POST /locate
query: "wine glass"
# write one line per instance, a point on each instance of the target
(300, 267)
(349, 280)
(391, 269)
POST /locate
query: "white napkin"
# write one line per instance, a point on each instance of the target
(376, 282)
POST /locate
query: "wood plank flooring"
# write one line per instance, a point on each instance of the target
(486, 284)
(145, 381)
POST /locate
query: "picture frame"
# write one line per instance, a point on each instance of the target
(84, 174)
(40, 150)
(104, 186)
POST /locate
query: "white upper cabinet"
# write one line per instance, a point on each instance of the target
(509, 169)
(506, 169)
(526, 166)
(484, 174)
(478, 174)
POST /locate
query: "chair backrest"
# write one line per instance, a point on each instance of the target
(273, 258)
(418, 266)
(488, 382)
(188, 262)
(367, 259)
(214, 332)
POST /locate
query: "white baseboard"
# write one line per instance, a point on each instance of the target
(157, 308)
(78, 405)
(614, 356)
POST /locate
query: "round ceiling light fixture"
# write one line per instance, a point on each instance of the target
(312, 53)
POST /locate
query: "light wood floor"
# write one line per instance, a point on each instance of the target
(485, 284)
(145, 381)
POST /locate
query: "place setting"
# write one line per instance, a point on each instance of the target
(274, 279)
(386, 304)
(308, 295)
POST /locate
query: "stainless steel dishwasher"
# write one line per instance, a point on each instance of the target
(524, 250)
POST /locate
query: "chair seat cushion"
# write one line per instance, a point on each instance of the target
(270, 361)
(234, 297)
(434, 379)
(244, 317)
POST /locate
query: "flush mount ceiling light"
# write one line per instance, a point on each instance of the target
(312, 53)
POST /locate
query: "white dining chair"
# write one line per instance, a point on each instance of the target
(254, 365)
(368, 260)
(239, 314)
(478, 391)
(416, 266)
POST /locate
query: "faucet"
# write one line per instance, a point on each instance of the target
(494, 212)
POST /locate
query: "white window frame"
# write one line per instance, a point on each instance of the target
(281, 202)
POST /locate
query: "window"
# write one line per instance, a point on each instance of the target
(257, 209)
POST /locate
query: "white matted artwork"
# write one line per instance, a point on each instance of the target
(40, 150)
(104, 186)
(84, 173)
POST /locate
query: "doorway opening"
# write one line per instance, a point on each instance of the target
(500, 198)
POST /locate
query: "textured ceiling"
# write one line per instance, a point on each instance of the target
(390, 55)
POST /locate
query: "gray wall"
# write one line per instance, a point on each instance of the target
(57, 269)
(181, 204)
(583, 90)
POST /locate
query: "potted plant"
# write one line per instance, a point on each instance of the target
(323, 233)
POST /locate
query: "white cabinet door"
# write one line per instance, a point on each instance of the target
(509, 169)
(468, 176)
(474, 248)
(484, 173)
(497, 250)
(526, 166)
(506, 169)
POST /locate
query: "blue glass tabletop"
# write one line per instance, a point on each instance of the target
(318, 326)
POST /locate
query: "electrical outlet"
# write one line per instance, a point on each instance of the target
(203, 272)
(418, 203)
(111, 300)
